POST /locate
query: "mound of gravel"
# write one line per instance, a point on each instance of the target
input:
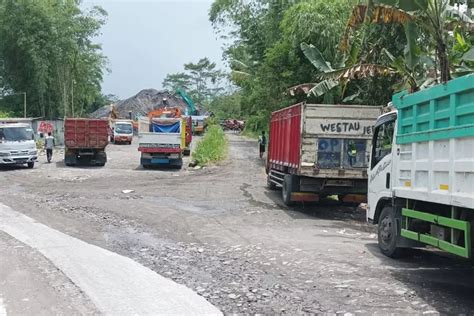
(142, 103)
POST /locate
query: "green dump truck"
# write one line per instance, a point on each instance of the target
(421, 173)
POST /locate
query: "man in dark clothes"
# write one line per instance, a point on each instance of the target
(262, 141)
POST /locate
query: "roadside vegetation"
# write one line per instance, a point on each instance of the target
(47, 51)
(339, 52)
(212, 148)
(4, 114)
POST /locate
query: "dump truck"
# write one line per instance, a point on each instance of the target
(421, 175)
(85, 141)
(188, 136)
(199, 124)
(17, 145)
(320, 150)
(161, 141)
(175, 112)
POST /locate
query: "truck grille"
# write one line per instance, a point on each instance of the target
(19, 153)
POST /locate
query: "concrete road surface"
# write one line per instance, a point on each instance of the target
(91, 279)
(217, 231)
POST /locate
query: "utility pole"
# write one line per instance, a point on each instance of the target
(72, 97)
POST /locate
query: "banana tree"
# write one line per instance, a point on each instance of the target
(330, 78)
(434, 17)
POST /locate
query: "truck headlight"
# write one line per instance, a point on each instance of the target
(33, 152)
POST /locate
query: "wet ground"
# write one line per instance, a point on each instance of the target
(219, 231)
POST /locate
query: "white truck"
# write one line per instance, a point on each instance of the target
(122, 132)
(421, 174)
(17, 145)
(161, 141)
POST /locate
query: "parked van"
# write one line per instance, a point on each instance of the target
(17, 145)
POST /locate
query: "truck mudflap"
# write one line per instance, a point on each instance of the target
(304, 197)
(449, 234)
(353, 198)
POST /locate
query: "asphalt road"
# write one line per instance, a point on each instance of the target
(217, 231)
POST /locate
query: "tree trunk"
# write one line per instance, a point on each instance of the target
(443, 62)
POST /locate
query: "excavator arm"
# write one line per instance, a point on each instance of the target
(188, 100)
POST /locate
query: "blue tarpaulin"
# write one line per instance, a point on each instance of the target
(165, 128)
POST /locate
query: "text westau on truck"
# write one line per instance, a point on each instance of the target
(85, 141)
(320, 150)
(421, 177)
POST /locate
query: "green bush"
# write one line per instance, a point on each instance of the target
(4, 114)
(212, 148)
(254, 125)
(210, 121)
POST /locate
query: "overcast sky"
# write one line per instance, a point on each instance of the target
(147, 39)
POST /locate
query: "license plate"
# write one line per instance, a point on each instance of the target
(160, 160)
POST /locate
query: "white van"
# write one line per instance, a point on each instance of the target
(17, 145)
(123, 132)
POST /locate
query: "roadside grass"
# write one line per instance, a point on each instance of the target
(250, 133)
(212, 148)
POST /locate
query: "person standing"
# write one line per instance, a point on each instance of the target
(49, 145)
(262, 141)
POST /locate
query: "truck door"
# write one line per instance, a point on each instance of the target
(380, 173)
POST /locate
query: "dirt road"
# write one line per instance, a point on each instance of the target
(220, 232)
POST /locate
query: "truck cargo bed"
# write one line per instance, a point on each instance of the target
(86, 133)
(435, 135)
(319, 149)
(314, 139)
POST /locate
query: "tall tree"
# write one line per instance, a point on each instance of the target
(47, 51)
(202, 81)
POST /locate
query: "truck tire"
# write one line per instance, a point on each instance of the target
(70, 159)
(31, 165)
(178, 164)
(389, 233)
(101, 158)
(290, 185)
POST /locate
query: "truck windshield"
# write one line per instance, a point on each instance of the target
(16, 134)
(123, 129)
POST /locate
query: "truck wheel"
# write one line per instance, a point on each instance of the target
(389, 233)
(289, 184)
(100, 158)
(31, 165)
(179, 163)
